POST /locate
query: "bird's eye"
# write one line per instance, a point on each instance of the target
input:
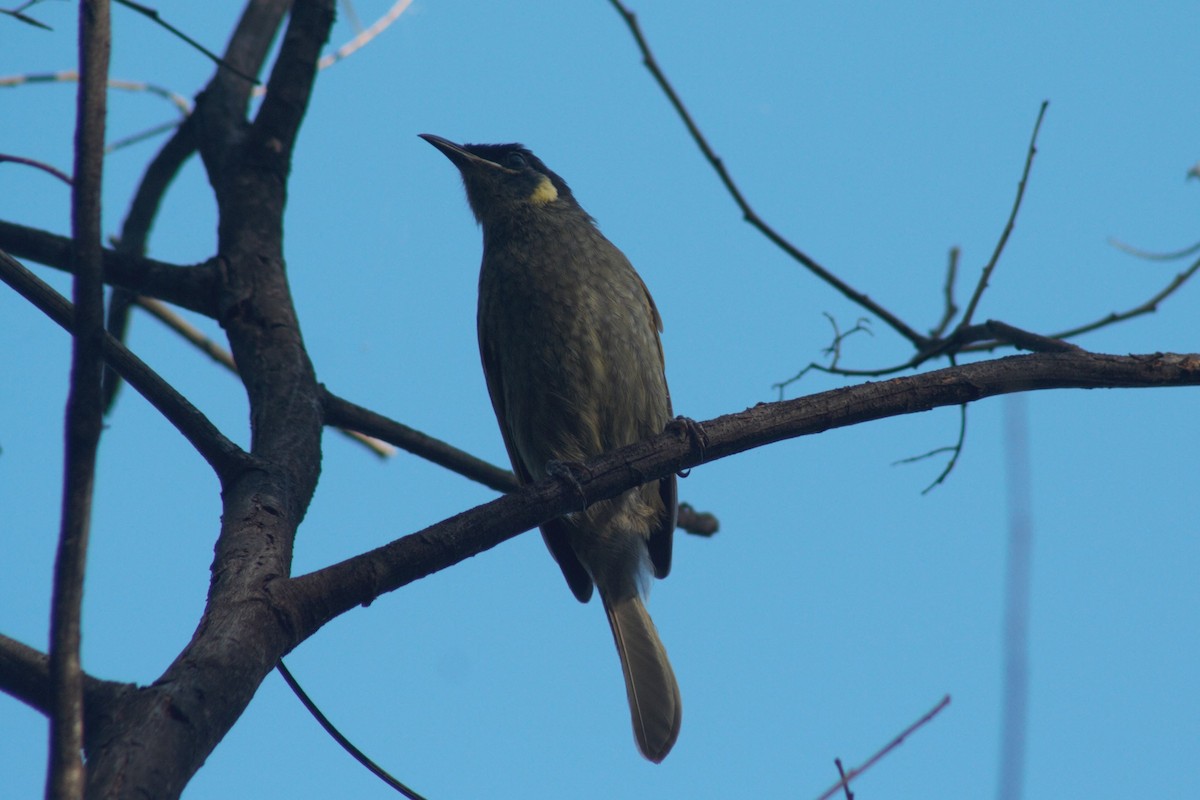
(515, 160)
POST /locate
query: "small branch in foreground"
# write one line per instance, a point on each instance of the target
(889, 747)
(25, 676)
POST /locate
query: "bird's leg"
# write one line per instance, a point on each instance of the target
(686, 426)
(566, 472)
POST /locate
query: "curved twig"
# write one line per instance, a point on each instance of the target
(1009, 225)
(748, 213)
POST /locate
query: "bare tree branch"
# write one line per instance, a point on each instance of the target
(348, 415)
(748, 213)
(312, 600)
(29, 162)
(950, 307)
(1009, 225)
(219, 354)
(192, 287)
(346, 744)
(170, 159)
(174, 724)
(25, 674)
(223, 455)
(153, 15)
(84, 416)
(889, 747)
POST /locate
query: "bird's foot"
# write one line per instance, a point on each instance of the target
(686, 426)
(567, 472)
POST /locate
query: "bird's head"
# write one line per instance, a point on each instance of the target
(503, 178)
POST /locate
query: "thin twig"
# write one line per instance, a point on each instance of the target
(153, 15)
(135, 232)
(747, 212)
(842, 773)
(183, 104)
(1008, 226)
(355, 417)
(951, 308)
(346, 744)
(29, 162)
(70, 76)
(351, 15)
(191, 333)
(890, 746)
(360, 40)
(1173, 255)
(1026, 340)
(834, 351)
(1148, 307)
(365, 36)
(84, 415)
(18, 14)
(141, 136)
(955, 451)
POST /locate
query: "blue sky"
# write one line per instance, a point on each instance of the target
(838, 603)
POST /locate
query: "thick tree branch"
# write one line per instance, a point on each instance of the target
(191, 287)
(248, 47)
(168, 730)
(25, 675)
(312, 600)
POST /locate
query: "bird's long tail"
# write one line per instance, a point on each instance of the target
(654, 701)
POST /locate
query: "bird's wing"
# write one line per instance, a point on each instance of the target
(663, 534)
(553, 532)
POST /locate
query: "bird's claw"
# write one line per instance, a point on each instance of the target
(567, 471)
(686, 426)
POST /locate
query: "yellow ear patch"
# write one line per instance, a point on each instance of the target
(544, 193)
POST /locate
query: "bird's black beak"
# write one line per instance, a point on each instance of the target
(459, 156)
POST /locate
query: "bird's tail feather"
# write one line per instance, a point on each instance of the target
(654, 701)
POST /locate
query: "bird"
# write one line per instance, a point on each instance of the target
(569, 339)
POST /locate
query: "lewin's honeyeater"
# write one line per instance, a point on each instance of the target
(569, 339)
